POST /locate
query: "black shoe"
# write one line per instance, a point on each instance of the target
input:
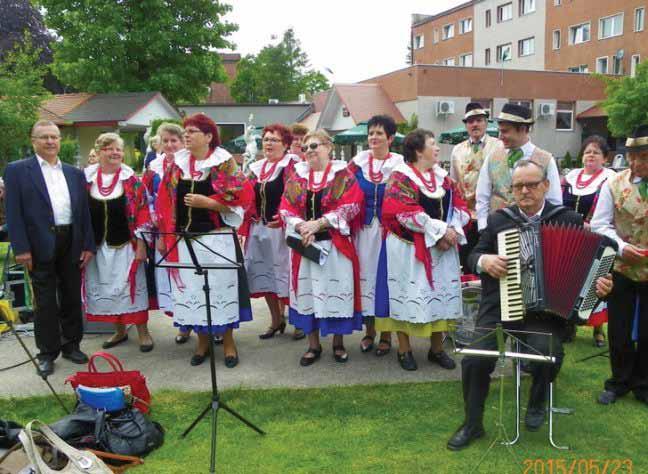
(146, 347)
(218, 340)
(464, 436)
(607, 397)
(197, 359)
(298, 335)
(181, 338)
(270, 333)
(306, 361)
(534, 418)
(231, 361)
(407, 361)
(383, 352)
(76, 356)
(45, 367)
(114, 342)
(341, 358)
(369, 346)
(442, 358)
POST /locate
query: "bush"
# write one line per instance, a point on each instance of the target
(69, 151)
(567, 161)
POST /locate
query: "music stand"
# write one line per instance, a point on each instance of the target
(516, 356)
(191, 239)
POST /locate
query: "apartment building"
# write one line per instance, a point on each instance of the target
(608, 37)
(510, 34)
(444, 39)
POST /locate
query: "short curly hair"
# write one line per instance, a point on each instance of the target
(281, 130)
(206, 125)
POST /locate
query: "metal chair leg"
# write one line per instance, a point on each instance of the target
(559, 411)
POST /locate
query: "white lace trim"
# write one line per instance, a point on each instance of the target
(257, 166)
(439, 175)
(220, 155)
(362, 161)
(591, 188)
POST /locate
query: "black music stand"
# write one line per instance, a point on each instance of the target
(191, 239)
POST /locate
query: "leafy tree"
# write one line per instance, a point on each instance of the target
(22, 92)
(18, 17)
(140, 45)
(406, 127)
(278, 72)
(626, 101)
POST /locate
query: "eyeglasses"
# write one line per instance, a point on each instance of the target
(271, 140)
(47, 137)
(531, 186)
(191, 131)
(311, 146)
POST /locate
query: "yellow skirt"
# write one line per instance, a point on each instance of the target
(414, 329)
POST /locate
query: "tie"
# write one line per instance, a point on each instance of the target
(476, 147)
(643, 188)
(513, 156)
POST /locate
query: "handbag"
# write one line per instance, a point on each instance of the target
(118, 463)
(117, 378)
(129, 433)
(78, 462)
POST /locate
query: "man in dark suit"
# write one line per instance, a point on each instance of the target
(51, 235)
(529, 185)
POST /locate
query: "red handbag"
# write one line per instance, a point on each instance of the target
(117, 378)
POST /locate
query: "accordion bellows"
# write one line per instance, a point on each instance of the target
(552, 268)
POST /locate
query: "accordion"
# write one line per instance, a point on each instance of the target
(552, 268)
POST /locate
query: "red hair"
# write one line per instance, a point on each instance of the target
(282, 131)
(205, 125)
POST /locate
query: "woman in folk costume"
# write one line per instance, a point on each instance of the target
(320, 201)
(204, 192)
(372, 169)
(419, 278)
(581, 188)
(115, 281)
(266, 252)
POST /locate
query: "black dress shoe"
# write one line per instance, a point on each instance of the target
(146, 347)
(407, 361)
(534, 418)
(231, 361)
(442, 358)
(464, 436)
(76, 356)
(110, 343)
(607, 397)
(197, 359)
(305, 360)
(45, 367)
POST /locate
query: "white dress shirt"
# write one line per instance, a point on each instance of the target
(483, 192)
(58, 191)
(603, 219)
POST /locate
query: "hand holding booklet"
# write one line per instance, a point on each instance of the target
(316, 252)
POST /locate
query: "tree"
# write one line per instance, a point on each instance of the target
(626, 101)
(278, 72)
(21, 83)
(140, 45)
(406, 127)
(18, 17)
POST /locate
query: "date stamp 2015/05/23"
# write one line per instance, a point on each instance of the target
(577, 466)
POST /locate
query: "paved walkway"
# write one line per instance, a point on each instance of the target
(271, 363)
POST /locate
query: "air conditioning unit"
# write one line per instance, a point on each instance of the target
(445, 107)
(546, 109)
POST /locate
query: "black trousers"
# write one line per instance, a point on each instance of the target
(476, 371)
(58, 320)
(472, 237)
(629, 359)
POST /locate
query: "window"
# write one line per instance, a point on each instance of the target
(523, 102)
(579, 33)
(466, 60)
(505, 12)
(581, 68)
(448, 31)
(465, 26)
(504, 52)
(487, 57)
(449, 62)
(527, 6)
(634, 62)
(418, 41)
(640, 13)
(611, 26)
(526, 47)
(435, 37)
(488, 18)
(617, 65)
(487, 104)
(602, 65)
(556, 39)
(565, 116)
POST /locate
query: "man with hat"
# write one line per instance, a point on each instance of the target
(622, 215)
(466, 161)
(494, 183)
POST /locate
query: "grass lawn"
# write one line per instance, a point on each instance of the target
(399, 428)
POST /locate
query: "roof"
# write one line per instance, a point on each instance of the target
(595, 111)
(264, 114)
(111, 107)
(230, 56)
(58, 106)
(319, 100)
(363, 101)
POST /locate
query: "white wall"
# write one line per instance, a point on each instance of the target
(153, 110)
(520, 27)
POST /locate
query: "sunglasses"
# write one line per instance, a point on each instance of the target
(531, 186)
(311, 146)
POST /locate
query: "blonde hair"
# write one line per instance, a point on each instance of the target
(106, 139)
(154, 142)
(299, 129)
(171, 129)
(321, 134)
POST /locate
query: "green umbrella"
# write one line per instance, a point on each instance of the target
(237, 145)
(358, 134)
(459, 134)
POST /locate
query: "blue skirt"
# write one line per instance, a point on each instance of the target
(245, 314)
(338, 326)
